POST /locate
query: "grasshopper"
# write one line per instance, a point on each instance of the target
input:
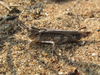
(54, 37)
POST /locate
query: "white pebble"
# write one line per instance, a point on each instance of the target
(94, 54)
(46, 14)
(60, 72)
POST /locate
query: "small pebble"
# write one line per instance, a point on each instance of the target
(93, 54)
(98, 30)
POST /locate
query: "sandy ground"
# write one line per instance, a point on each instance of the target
(17, 57)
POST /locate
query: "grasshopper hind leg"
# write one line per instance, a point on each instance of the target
(51, 42)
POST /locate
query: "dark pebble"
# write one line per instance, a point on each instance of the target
(11, 18)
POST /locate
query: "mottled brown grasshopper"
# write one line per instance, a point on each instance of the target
(55, 36)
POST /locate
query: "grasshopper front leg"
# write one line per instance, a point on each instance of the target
(36, 38)
(51, 42)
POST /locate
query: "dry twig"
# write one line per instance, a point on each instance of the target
(5, 5)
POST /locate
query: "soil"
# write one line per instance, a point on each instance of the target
(20, 57)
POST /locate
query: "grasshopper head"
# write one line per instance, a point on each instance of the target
(32, 32)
